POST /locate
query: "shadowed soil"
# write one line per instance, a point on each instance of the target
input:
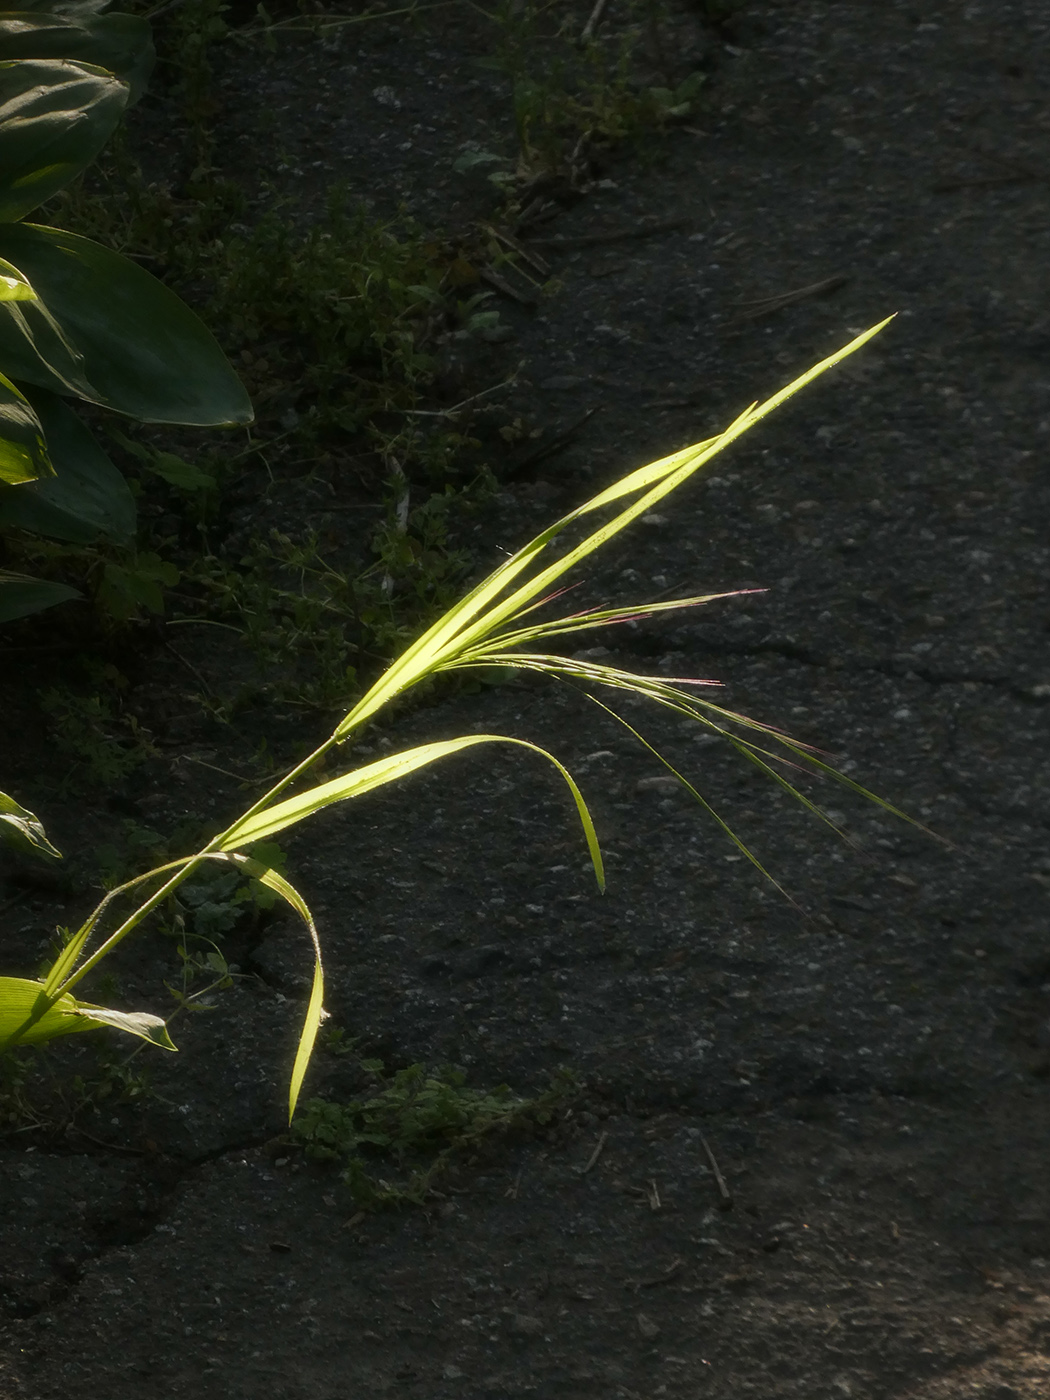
(869, 1069)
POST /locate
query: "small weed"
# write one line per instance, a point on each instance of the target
(199, 965)
(18, 1107)
(314, 626)
(115, 1082)
(416, 1121)
(104, 742)
(570, 98)
(125, 584)
(39, 1095)
(337, 330)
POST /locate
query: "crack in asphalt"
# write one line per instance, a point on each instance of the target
(899, 669)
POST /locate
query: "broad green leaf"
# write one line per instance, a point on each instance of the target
(266, 822)
(34, 347)
(142, 351)
(21, 595)
(23, 449)
(55, 117)
(187, 476)
(86, 498)
(20, 999)
(176, 471)
(121, 44)
(138, 583)
(26, 1019)
(18, 818)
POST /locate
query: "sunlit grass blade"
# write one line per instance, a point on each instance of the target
(388, 770)
(490, 627)
(27, 1017)
(311, 1025)
(67, 960)
(479, 614)
(315, 1007)
(691, 459)
(591, 618)
(726, 829)
(142, 1024)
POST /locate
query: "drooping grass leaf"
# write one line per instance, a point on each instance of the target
(138, 1023)
(315, 1007)
(270, 820)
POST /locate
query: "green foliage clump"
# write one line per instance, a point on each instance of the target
(574, 93)
(416, 1120)
(78, 320)
(345, 310)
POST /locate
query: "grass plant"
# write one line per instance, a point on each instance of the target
(503, 622)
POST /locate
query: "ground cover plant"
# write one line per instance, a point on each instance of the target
(495, 627)
(337, 327)
(422, 1121)
(77, 319)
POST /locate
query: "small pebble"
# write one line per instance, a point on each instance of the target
(524, 1326)
(659, 784)
(648, 1328)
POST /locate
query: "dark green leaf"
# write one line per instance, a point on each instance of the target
(144, 352)
(140, 584)
(55, 117)
(37, 349)
(121, 44)
(23, 450)
(21, 595)
(86, 498)
(187, 476)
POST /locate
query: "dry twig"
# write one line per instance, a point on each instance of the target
(554, 444)
(763, 306)
(620, 235)
(593, 1158)
(724, 1192)
(592, 24)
